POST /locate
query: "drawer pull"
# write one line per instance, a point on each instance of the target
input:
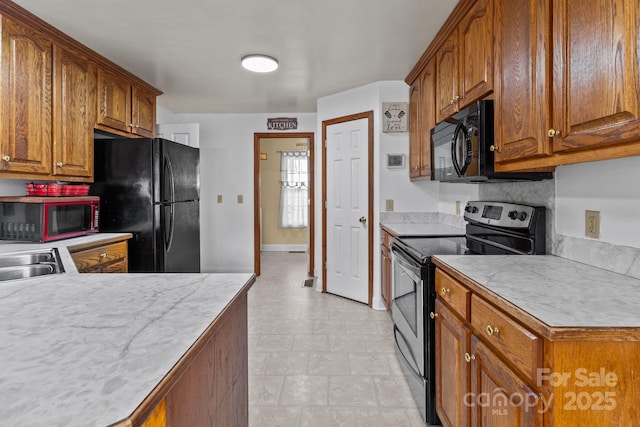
(492, 330)
(469, 357)
(445, 291)
(103, 255)
(433, 315)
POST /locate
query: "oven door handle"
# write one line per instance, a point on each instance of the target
(398, 335)
(497, 245)
(411, 268)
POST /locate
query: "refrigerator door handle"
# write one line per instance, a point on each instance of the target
(168, 191)
(168, 226)
(169, 198)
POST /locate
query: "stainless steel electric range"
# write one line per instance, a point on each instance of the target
(492, 228)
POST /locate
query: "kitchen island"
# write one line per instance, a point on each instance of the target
(111, 349)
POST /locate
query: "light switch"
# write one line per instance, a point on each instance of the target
(219, 198)
(389, 205)
(240, 199)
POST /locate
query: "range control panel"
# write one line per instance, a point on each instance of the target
(500, 214)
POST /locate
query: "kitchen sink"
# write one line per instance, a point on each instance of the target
(21, 265)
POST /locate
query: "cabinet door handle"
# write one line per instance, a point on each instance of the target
(60, 165)
(6, 158)
(492, 330)
(553, 132)
(469, 357)
(495, 148)
(445, 291)
(103, 255)
(433, 315)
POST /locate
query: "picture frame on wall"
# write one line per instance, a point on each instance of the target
(395, 116)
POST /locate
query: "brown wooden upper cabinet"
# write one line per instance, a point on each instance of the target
(421, 120)
(26, 95)
(74, 117)
(567, 87)
(50, 88)
(464, 61)
(47, 130)
(125, 107)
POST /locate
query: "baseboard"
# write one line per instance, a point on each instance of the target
(284, 248)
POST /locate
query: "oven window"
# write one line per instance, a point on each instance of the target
(62, 219)
(406, 286)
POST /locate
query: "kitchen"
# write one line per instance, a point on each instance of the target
(605, 186)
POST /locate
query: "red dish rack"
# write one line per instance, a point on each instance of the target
(57, 190)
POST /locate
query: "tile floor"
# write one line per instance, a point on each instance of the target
(317, 359)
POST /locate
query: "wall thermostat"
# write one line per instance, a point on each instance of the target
(395, 161)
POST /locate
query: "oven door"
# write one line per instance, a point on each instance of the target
(407, 306)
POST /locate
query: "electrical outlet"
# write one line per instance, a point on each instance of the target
(240, 199)
(389, 205)
(592, 224)
(219, 198)
(458, 207)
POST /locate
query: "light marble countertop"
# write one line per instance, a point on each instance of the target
(557, 291)
(87, 349)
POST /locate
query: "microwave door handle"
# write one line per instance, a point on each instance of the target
(460, 129)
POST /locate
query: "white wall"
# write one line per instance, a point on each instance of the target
(226, 159)
(611, 187)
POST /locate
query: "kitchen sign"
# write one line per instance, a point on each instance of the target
(394, 116)
(282, 123)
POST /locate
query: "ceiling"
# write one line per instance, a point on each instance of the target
(191, 49)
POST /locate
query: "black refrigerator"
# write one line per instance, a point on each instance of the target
(150, 187)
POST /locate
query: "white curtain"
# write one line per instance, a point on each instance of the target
(294, 178)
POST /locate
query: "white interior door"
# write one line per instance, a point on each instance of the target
(182, 133)
(347, 209)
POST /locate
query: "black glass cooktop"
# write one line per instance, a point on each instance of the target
(422, 248)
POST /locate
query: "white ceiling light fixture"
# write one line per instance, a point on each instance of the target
(259, 63)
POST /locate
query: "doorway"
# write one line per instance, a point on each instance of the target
(261, 141)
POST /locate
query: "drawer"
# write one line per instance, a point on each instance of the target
(95, 258)
(453, 293)
(510, 339)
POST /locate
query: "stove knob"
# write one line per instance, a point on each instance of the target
(467, 208)
(474, 209)
(513, 214)
(522, 216)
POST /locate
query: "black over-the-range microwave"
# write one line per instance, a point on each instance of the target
(43, 219)
(460, 148)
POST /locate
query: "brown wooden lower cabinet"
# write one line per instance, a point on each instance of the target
(213, 389)
(385, 274)
(452, 373)
(496, 365)
(158, 417)
(101, 257)
(498, 397)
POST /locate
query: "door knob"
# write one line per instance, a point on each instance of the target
(363, 220)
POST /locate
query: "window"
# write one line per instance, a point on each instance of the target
(294, 206)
